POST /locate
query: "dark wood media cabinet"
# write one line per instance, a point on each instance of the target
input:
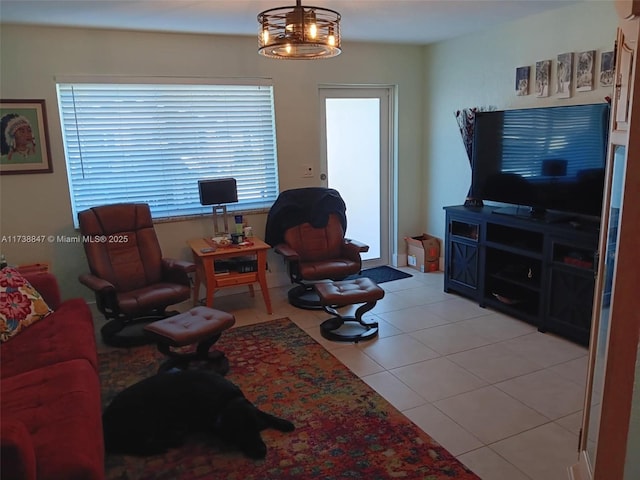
(537, 271)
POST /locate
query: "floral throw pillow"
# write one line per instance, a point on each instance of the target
(20, 304)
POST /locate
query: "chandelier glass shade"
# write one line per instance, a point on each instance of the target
(299, 33)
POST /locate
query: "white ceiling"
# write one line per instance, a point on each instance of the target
(395, 21)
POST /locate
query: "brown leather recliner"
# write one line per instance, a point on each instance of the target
(131, 280)
(318, 253)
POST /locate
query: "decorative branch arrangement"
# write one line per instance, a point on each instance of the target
(466, 121)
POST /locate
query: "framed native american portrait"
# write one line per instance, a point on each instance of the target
(24, 143)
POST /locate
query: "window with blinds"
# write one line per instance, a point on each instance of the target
(150, 142)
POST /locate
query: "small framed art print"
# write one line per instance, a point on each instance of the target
(522, 80)
(24, 145)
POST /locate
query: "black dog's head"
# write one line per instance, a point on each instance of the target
(240, 424)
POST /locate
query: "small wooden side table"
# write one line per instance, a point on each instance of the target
(205, 259)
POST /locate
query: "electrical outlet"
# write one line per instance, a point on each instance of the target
(307, 171)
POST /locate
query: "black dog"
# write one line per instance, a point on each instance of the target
(159, 412)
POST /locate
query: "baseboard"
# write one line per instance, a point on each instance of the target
(274, 280)
(580, 470)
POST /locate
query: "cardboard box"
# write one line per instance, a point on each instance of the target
(423, 253)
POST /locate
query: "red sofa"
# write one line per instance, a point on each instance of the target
(50, 411)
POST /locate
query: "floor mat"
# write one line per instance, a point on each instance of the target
(381, 274)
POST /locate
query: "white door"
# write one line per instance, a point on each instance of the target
(356, 160)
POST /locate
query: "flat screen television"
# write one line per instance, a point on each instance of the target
(217, 191)
(550, 158)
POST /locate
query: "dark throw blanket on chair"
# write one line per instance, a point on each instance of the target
(301, 205)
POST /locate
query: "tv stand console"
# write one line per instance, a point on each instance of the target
(540, 272)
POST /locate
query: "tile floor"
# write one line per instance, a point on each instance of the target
(503, 398)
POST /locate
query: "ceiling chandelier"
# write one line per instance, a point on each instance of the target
(299, 33)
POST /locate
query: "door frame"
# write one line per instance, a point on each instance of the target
(388, 169)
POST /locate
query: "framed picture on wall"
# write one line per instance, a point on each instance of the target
(606, 69)
(543, 72)
(564, 72)
(584, 71)
(24, 144)
(522, 80)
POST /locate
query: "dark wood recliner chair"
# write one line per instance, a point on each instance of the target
(132, 282)
(308, 226)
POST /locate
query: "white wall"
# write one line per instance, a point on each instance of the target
(479, 71)
(31, 57)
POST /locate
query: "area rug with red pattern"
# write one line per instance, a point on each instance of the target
(344, 429)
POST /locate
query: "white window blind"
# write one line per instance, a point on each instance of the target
(153, 142)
